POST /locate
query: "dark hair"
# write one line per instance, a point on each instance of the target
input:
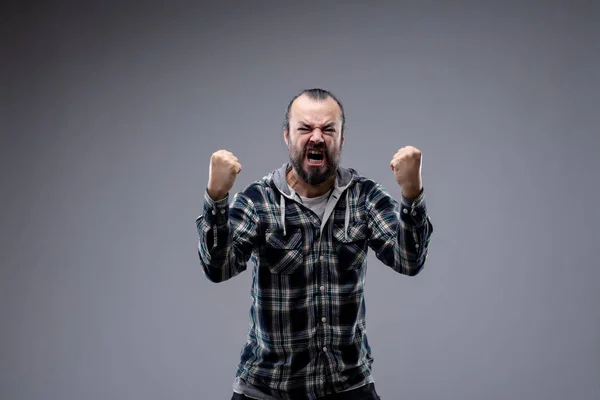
(318, 95)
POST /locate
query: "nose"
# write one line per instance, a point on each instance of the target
(317, 136)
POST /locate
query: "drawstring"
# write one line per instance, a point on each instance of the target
(282, 210)
(347, 216)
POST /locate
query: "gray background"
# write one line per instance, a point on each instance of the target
(110, 115)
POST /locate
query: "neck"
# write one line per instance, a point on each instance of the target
(307, 190)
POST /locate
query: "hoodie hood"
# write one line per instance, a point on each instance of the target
(345, 177)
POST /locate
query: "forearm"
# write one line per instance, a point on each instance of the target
(222, 253)
(413, 235)
(400, 230)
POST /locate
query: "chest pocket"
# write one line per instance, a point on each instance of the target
(284, 254)
(351, 248)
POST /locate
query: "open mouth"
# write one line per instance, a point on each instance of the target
(315, 157)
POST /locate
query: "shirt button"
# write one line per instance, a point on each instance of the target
(324, 319)
(321, 258)
(223, 211)
(417, 245)
(322, 288)
(405, 211)
(414, 213)
(213, 212)
(325, 349)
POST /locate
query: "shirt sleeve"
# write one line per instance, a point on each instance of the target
(226, 236)
(399, 232)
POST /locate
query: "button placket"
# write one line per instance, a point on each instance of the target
(323, 298)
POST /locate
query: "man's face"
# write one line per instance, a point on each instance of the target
(315, 138)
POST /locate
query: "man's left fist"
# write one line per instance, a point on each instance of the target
(406, 165)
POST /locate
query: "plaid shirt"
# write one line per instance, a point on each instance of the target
(307, 332)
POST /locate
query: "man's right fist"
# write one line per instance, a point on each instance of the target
(224, 168)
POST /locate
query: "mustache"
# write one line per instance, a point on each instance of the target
(320, 146)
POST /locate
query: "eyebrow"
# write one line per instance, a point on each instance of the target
(327, 125)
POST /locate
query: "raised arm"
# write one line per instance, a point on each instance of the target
(226, 235)
(400, 231)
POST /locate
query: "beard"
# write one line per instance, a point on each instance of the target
(315, 175)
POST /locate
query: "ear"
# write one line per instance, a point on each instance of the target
(285, 136)
(343, 137)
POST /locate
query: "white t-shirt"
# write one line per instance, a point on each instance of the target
(316, 204)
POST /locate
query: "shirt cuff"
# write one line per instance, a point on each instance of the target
(216, 212)
(414, 212)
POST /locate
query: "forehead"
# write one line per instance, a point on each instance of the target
(305, 109)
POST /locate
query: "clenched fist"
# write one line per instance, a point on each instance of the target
(224, 168)
(406, 165)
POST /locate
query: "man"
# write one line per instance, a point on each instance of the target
(307, 227)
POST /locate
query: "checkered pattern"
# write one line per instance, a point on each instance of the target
(307, 332)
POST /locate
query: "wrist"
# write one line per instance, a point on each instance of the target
(216, 195)
(411, 192)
